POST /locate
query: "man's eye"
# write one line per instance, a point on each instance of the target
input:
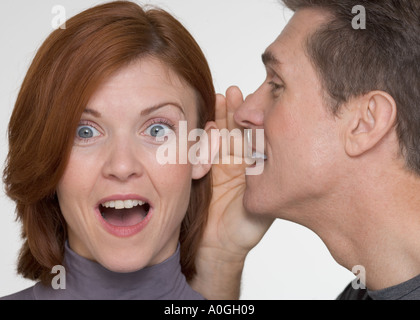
(87, 132)
(275, 86)
(158, 130)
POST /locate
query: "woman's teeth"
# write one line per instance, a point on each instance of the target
(122, 204)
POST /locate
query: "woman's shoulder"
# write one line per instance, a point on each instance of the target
(25, 294)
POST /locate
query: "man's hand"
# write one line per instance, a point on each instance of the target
(231, 231)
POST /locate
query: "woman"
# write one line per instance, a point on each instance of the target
(82, 167)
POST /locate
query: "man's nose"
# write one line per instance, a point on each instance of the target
(251, 113)
(122, 161)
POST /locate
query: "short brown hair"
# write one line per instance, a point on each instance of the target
(384, 56)
(66, 70)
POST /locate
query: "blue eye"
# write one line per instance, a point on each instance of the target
(86, 132)
(158, 130)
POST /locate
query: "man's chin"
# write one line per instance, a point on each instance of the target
(252, 202)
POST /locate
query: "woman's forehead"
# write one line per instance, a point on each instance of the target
(147, 83)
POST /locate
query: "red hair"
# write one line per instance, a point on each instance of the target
(65, 72)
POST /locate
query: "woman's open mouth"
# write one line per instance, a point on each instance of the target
(124, 213)
(124, 218)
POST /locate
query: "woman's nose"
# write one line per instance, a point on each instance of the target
(122, 161)
(251, 113)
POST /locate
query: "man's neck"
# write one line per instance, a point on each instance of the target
(377, 227)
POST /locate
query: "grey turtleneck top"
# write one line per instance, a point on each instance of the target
(86, 279)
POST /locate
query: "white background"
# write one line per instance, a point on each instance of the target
(291, 262)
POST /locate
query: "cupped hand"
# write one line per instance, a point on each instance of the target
(231, 230)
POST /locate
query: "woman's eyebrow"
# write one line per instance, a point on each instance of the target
(93, 112)
(149, 110)
(144, 112)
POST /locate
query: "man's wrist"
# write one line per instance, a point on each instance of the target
(218, 274)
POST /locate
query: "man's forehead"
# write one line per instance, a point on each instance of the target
(293, 37)
(307, 20)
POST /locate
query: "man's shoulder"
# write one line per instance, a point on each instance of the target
(350, 293)
(408, 290)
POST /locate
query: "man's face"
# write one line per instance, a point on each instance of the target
(302, 140)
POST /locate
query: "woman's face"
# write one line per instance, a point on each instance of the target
(123, 209)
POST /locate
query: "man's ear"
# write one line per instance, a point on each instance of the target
(202, 153)
(371, 116)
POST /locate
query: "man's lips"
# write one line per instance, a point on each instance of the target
(254, 146)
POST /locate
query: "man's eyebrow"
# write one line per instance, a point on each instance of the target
(268, 58)
(149, 110)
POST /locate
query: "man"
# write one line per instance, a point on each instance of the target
(340, 109)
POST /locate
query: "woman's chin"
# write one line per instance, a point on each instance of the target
(123, 260)
(124, 266)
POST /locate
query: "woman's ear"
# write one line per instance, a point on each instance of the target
(202, 153)
(371, 118)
